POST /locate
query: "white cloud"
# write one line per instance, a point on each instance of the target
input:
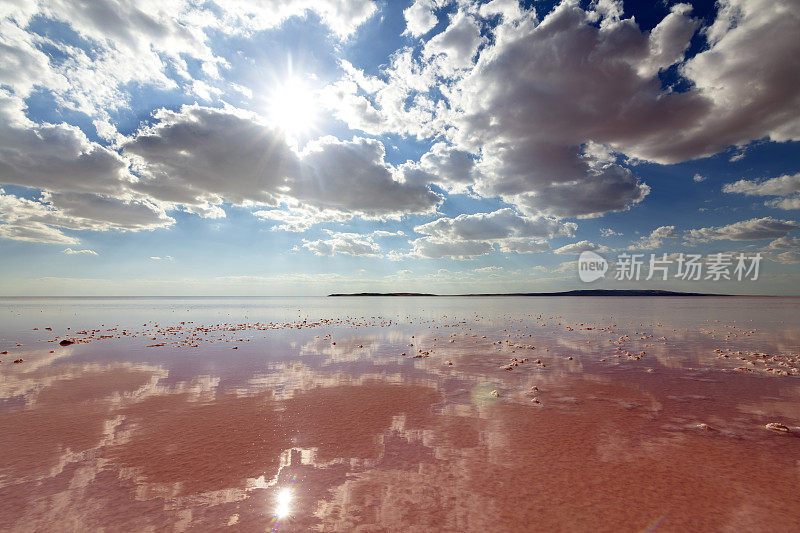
(698, 178)
(655, 239)
(508, 9)
(378, 105)
(55, 157)
(457, 45)
(614, 188)
(344, 243)
(780, 186)
(467, 236)
(384, 233)
(791, 257)
(43, 220)
(785, 243)
(784, 250)
(582, 246)
(543, 95)
(500, 224)
(792, 202)
(144, 42)
(200, 155)
(745, 230)
(420, 17)
(453, 170)
(86, 186)
(70, 251)
(488, 269)
(436, 248)
(787, 187)
(522, 246)
(298, 219)
(35, 232)
(342, 16)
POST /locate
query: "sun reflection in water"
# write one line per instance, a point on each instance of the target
(283, 505)
(284, 500)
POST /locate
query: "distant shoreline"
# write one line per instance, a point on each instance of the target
(596, 292)
(588, 292)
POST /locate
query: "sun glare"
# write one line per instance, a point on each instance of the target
(292, 107)
(283, 501)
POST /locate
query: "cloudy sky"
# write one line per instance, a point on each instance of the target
(286, 147)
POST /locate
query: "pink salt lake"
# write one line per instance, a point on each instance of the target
(556, 414)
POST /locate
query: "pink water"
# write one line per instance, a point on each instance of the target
(573, 414)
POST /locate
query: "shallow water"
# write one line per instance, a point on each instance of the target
(400, 414)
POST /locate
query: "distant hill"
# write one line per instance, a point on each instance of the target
(587, 292)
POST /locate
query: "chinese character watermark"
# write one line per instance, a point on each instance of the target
(688, 267)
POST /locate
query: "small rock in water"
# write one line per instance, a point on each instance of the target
(774, 426)
(704, 426)
(494, 393)
(66, 342)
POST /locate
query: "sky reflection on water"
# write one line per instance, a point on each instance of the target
(319, 422)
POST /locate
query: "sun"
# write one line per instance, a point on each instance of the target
(292, 106)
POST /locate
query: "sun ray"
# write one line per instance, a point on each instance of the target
(292, 107)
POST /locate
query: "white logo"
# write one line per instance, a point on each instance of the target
(591, 266)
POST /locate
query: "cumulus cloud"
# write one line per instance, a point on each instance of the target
(55, 157)
(35, 232)
(509, 10)
(790, 257)
(786, 188)
(496, 225)
(199, 155)
(549, 115)
(86, 186)
(70, 251)
(467, 236)
(344, 243)
(117, 44)
(655, 239)
(120, 43)
(582, 246)
(699, 178)
(783, 250)
(420, 17)
(745, 230)
(436, 248)
(614, 188)
(534, 102)
(380, 104)
(342, 16)
(453, 170)
(785, 243)
(544, 91)
(44, 220)
(457, 45)
(298, 219)
(522, 245)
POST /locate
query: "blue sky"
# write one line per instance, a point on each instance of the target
(288, 147)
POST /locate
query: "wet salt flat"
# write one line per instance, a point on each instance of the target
(413, 414)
